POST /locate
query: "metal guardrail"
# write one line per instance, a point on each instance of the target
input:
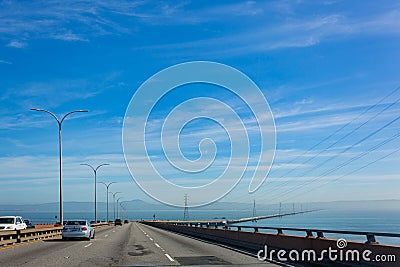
(31, 234)
(8, 237)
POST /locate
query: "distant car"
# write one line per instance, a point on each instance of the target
(29, 224)
(8, 223)
(126, 221)
(78, 229)
(117, 222)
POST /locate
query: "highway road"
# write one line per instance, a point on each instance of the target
(132, 244)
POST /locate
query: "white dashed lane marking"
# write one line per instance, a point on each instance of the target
(157, 245)
(169, 257)
(88, 245)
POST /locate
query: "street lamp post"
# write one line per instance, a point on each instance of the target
(95, 189)
(123, 211)
(117, 206)
(59, 150)
(114, 194)
(107, 185)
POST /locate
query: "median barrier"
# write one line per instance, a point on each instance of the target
(100, 225)
(45, 225)
(256, 241)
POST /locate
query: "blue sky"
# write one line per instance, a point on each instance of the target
(320, 65)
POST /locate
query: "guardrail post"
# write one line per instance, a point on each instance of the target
(320, 234)
(18, 236)
(216, 226)
(239, 228)
(309, 233)
(255, 229)
(280, 231)
(371, 239)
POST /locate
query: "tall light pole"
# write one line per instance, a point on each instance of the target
(117, 206)
(107, 185)
(114, 194)
(123, 210)
(59, 150)
(95, 183)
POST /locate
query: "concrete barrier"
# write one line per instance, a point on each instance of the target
(45, 225)
(256, 241)
(100, 225)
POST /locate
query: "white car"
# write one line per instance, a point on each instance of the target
(77, 229)
(9, 223)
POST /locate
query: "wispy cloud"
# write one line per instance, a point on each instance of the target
(56, 92)
(82, 20)
(70, 21)
(5, 62)
(17, 44)
(50, 94)
(69, 36)
(290, 31)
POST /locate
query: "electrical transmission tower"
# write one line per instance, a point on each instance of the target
(186, 211)
(254, 208)
(254, 211)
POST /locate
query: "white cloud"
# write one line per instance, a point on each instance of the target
(17, 44)
(80, 20)
(38, 168)
(69, 36)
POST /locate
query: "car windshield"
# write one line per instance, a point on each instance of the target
(76, 223)
(7, 220)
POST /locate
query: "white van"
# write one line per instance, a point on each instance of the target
(8, 223)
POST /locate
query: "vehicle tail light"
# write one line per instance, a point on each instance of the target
(84, 228)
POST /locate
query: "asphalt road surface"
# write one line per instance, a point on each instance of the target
(132, 244)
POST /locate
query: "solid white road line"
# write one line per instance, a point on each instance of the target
(88, 245)
(169, 257)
